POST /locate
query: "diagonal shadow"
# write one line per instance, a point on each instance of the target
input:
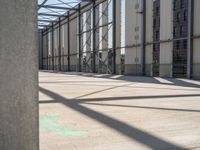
(107, 89)
(138, 79)
(160, 97)
(144, 107)
(119, 126)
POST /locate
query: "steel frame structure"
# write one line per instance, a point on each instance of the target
(89, 53)
(94, 51)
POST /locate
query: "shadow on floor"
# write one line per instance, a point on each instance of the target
(144, 107)
(132, 132)
(139, 79)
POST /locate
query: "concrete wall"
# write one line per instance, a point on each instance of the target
(166, 32)
(133, 37)
(19, 76)
(118, 36)
(196, 50)
(149, 38)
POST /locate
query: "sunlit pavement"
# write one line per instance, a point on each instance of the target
(80, 111)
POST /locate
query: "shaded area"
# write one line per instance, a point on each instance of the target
(144, 107)
(159, 97)
(139, 79)
(132, 132)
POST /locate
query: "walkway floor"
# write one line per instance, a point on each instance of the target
(102, 112)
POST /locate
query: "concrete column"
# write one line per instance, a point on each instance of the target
(166, 32)
(196, 41)
(149, 38)
(118, 36)
(19, 76)
(133, 37)
(105, 34)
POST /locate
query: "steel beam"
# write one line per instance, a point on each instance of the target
(42, 49)
(79, 38)
(47, 51)
(143, 35)
(42, 4)
(51, 15)
(114, 37)
(189, 38)
(59, 47)
(68, 40)
(56, 7)
(41, 20)
(52, 45)
(94, 36)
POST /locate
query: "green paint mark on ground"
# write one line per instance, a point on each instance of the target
(51, 124)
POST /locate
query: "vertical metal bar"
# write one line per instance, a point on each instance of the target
(68, 40)
(59, 46)
(79, 38)
(42, 49)
(190, 40)
(47, 50)
(94, 36)
(52, 45)
(114, 36)
(143, 35)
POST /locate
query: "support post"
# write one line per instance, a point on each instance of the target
(79, 38)
(143, 35)
(52, 45)
(59, 47)
(42, 48)
(68, 40)
(19, 111)
(47, 49)
(190, 40)
(94, 36)
(114, 37)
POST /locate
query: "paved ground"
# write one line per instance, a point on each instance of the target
(104, 112)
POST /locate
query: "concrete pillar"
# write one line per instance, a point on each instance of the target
(149, 38)
(118, 36)
(196, 41)
(19, 76)
(133, 37)
(105, 35)
(166, 32)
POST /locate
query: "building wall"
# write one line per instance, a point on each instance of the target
(149, 39)
(196, 42)
(133, 39)
(166, 33)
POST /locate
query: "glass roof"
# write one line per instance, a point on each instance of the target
(50, 10)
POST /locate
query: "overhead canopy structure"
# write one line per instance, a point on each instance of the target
(49, 11)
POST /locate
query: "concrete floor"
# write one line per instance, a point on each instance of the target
(102, 112)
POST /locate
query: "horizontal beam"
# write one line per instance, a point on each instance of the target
(40, 20)
(56, 7)
(51, 15)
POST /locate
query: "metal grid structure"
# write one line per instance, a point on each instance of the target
(90, 25)
(156, 37)
(96, 36)
(180, 16)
